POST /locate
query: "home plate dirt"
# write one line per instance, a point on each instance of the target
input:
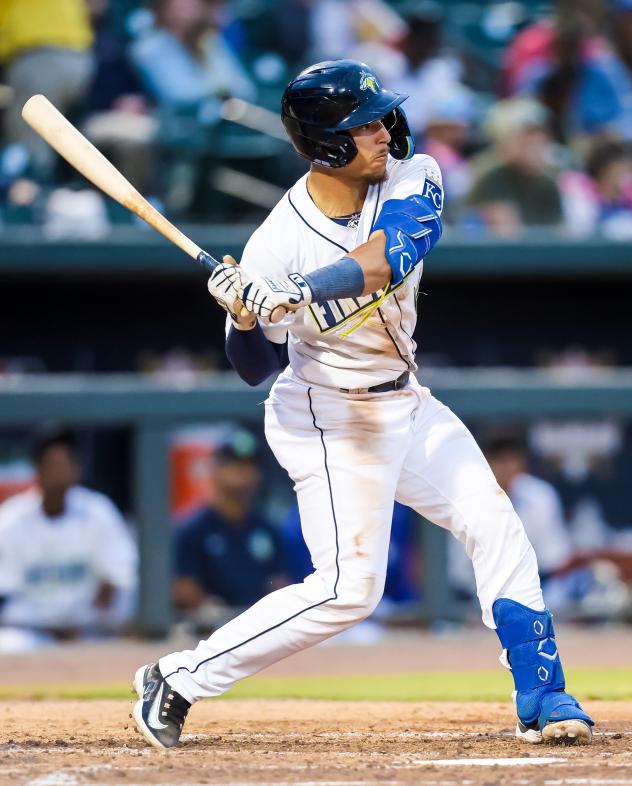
(304, 743)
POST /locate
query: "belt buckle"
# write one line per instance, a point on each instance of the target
(353, 391)
(401, 381)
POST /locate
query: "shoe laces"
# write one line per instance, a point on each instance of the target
(176, 707)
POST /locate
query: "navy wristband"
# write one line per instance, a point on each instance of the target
(343, 278)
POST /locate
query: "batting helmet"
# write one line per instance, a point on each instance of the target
(327, 99)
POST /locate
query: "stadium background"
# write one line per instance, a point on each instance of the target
(109, 329)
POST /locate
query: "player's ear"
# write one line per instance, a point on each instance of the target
(228, 260)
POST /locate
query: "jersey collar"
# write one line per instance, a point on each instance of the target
(344, 237)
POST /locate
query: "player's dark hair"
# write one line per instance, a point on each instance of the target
(499, 444)
(51, 435)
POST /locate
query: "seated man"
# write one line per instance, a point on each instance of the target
(226, 554)
(67, 561)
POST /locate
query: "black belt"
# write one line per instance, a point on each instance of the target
(384, 387)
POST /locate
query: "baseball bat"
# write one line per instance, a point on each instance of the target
(46, 120)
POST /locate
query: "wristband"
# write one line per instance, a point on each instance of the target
(343, 278)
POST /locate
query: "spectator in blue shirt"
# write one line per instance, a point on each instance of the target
(228, 554)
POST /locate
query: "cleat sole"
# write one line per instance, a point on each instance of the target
(567, 732)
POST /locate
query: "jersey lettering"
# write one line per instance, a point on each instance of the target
(334, 313)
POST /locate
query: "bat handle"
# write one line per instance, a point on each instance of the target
(207, 262)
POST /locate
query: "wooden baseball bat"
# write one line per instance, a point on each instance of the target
(71, 144)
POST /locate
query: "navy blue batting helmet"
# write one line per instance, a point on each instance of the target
(325, 100)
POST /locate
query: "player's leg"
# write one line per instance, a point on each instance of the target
(446, 478)
(344, 458)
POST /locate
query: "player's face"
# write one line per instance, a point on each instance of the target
(372, 141)
(57, 470)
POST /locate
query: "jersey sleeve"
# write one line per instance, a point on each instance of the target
(260, 260)
(420, 176)
(116, 558)
(11, 579)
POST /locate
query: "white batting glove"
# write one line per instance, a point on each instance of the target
(271, 299)
(225, 284)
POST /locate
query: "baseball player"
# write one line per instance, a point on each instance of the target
(329, 281)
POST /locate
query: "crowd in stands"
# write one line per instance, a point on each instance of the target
(527, 107)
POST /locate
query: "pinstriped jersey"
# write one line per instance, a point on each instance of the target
(352, 342)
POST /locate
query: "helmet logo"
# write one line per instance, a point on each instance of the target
(368, 82)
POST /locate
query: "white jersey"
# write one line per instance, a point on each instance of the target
(323, 346)
(50, 568)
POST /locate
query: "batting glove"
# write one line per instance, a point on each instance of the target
(271, 299)
(225, 284)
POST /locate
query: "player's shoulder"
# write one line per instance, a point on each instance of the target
(88, 502)
(534, 487)
(420, 166)
(19, 509)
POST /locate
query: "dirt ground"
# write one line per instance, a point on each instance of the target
(304, 743)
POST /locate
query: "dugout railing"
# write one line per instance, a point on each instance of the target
(153, 407)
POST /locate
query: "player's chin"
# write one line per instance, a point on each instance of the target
(377, 172)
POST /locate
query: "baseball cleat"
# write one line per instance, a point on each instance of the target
(567, 732)
(160, 711)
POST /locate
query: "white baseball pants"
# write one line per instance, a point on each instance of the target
(350, 456)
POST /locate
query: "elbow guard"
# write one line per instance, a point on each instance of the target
(412, 227)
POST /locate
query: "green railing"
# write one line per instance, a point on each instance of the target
(132, 250)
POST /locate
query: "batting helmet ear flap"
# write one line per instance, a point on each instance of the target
(402, 144)
(327, 148)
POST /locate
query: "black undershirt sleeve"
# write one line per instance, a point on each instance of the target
(253, 356)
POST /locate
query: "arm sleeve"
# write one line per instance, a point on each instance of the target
(252, 355)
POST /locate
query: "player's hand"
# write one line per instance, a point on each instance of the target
(225, 284)
(271, 299)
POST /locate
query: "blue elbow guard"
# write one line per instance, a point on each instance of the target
(412, 227)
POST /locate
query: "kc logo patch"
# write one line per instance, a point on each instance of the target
(434, 193)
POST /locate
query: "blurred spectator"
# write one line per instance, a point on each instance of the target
(609, 164)
(588, 582)
(360, 29)
(118, 114)
(186, 62)
(540, 508)
(620, 66)
(447, 138)
(514, 188)
(402, 575)
(427, 74)
(600, 199)
(45, 48)
(566, 64)
(67, 561)
(227, 555)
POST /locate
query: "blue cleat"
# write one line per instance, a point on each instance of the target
(546, 713)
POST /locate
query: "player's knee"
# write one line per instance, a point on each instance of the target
(358, 596)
